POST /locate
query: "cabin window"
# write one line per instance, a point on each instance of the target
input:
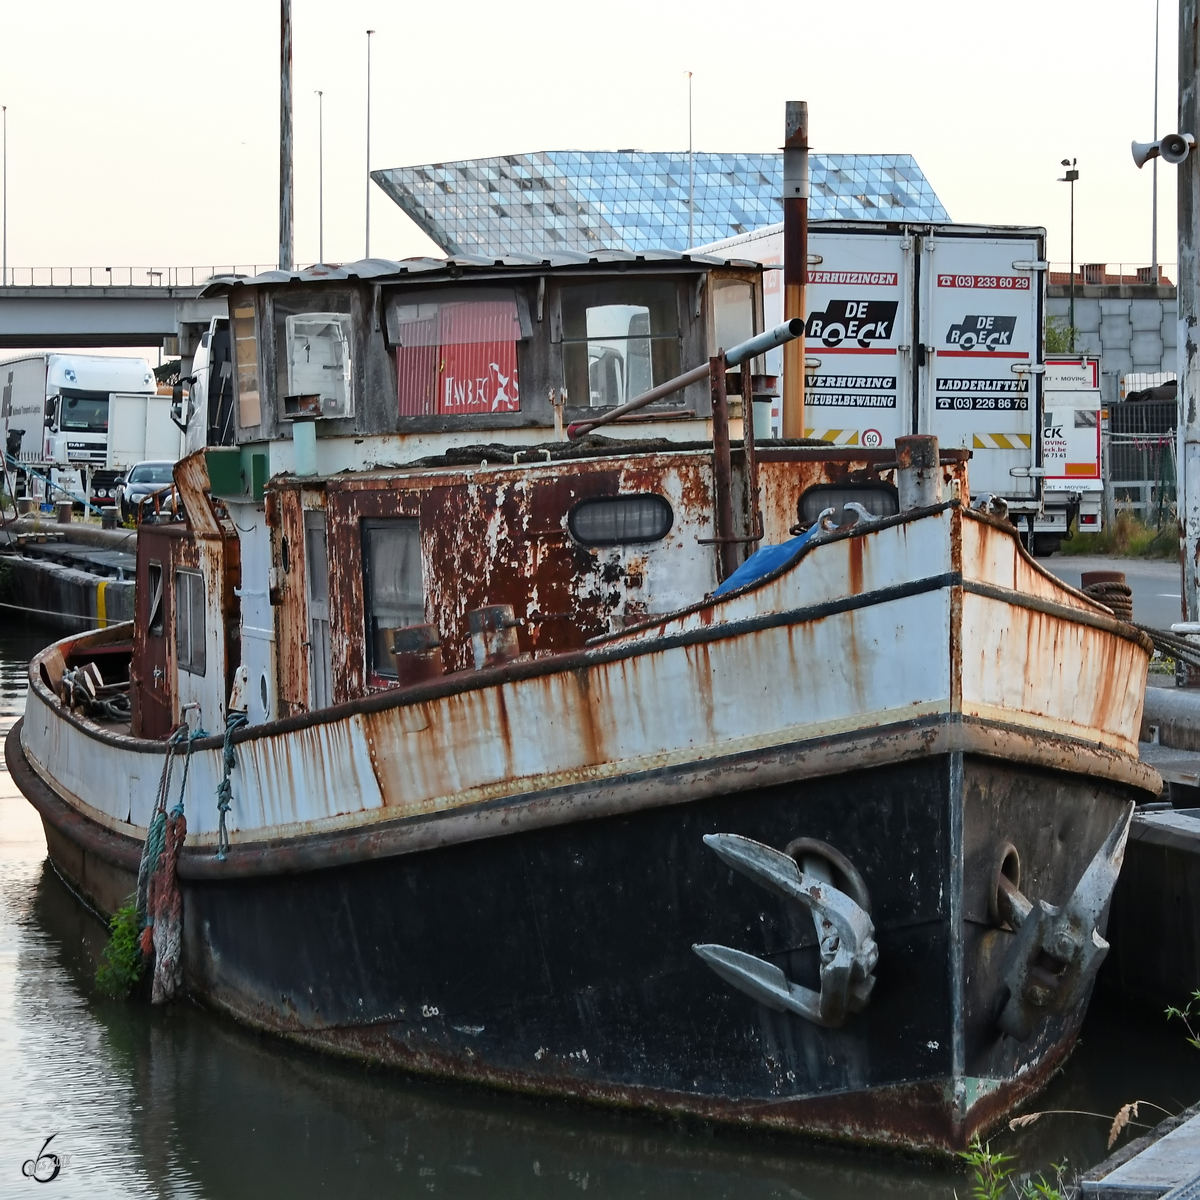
(245, 348)
(190, 646)
(620, 520)
(456, 356)
(733, 312)
(154, 580)
(314, 352)
(620, 339)
(880, 500)
(394, 595)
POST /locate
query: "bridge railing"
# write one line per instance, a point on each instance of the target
(164, 277)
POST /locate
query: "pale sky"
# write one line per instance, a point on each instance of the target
(142, 133)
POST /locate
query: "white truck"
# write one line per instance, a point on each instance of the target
(207, 412)
(56, 414)
(1073, 484)
(925, 329)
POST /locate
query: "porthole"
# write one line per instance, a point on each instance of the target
(879, 499)
(621, 520)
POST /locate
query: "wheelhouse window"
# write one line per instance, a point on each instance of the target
(245, 348)
(456, 355)
(190, 646)
(621, 520)
(733, 312)
(314, 348)
(394, 592)
(620, 339)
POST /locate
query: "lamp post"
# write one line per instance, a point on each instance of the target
(4, 114)
(1154, 177)
(370, 32)
(1070, 176)
(691, 171)
(320, 176)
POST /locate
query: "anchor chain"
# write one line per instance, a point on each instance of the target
(844, 929)
(1057, 951)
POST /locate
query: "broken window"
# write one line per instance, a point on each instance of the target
(620, 339)
(190, 647)
(456, 355)
(314, 351)
(154, 577)
(394, 592)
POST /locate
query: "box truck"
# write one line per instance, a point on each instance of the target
(926, 329)
(1073, 484)
(55, 413)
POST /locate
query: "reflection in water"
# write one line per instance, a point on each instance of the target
(181, 1103)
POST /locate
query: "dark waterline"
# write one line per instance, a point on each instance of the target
(178, 1102)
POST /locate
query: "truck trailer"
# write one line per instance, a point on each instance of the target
(55, 410)
(926, 329)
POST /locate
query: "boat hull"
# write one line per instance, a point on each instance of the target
(559, 960)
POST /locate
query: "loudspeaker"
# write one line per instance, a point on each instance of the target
(1175, 147)
(1143, 152)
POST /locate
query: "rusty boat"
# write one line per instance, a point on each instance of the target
(761, 781)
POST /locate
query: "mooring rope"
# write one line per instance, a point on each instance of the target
(234, 721)
(160, 900)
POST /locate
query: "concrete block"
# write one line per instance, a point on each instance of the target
(1112, 308)
(1087, 343)
(1119, 362)
(1115, 333)
(1087, 315)
(1147, 350)
(1145, 314)
(1168, 331)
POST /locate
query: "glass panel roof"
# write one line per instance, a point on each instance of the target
(638, 200)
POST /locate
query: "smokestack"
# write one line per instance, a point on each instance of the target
(285, 135)
(795, 259)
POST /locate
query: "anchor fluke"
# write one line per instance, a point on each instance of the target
(844, 931)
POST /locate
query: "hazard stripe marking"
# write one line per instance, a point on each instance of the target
(839, 437)
(1000, 441)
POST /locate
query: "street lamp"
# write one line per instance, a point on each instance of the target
(1070, 176)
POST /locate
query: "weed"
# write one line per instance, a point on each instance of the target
(991, 1175)
(122, 965)
(1187, 1016)
(1127, 537)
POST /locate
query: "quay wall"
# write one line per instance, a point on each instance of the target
(63, 598)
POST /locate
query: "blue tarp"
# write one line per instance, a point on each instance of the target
(765, 560)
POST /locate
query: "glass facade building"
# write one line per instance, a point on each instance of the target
(634, 200)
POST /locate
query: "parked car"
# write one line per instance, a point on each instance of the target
(143, 481)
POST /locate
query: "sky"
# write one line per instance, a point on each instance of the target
(146, 134)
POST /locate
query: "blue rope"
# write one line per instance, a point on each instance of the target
(234, 720)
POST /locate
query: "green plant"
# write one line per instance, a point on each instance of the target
(1060, 337)
(990, 1173)
(1040, 1189)
(1187, 1015)
(1128, 537)
(122, 960)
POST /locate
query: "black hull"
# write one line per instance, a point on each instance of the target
(559, 960)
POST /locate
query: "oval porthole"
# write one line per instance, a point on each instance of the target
(621, 520)
(879, 499)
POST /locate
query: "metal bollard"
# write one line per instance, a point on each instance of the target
(918, 471)
(418, 653)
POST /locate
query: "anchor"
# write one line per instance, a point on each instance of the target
(1057, 951)
(844, 929)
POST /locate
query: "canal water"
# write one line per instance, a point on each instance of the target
(180, 1103)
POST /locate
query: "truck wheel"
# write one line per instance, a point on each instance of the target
(1046, 544)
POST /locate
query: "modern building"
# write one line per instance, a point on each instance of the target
(574, 200)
